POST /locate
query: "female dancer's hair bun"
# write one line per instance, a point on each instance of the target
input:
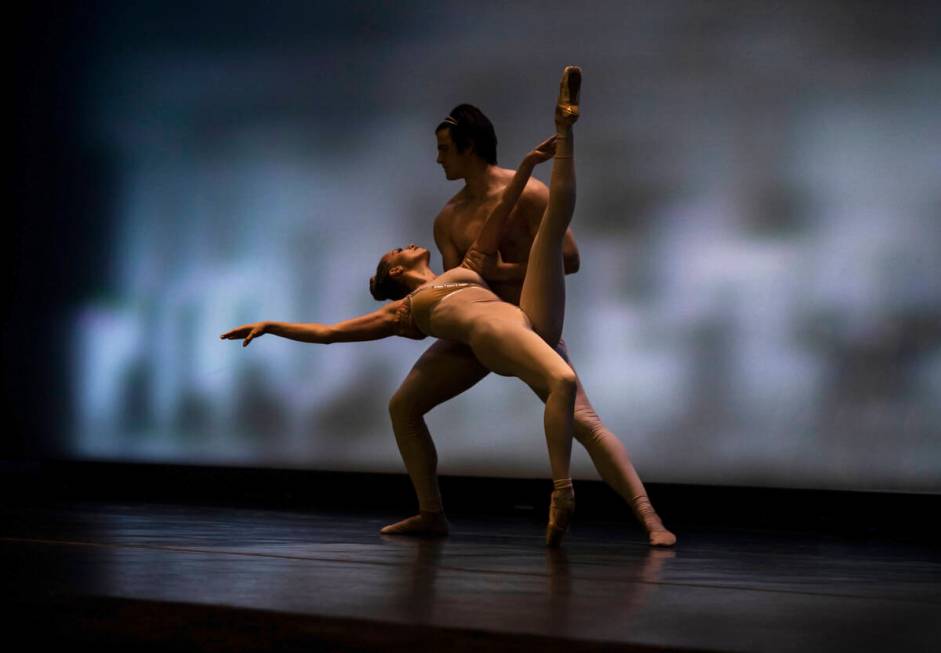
(383, 287)
(372, 289)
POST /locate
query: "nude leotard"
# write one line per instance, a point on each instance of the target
(424, 300)
(416, 311)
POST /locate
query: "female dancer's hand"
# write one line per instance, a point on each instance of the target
(247, 331)
(544, 151)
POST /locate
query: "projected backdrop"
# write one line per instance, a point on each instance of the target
(759, 220)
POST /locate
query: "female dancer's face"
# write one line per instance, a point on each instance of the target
(408, 257)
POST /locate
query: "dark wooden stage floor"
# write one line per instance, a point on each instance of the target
(143, 576)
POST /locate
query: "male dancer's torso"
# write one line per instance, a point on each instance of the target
(461, 219)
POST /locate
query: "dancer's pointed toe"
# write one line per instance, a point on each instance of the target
(561, 508)
(567, 108)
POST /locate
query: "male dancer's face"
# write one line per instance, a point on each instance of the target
(454, 162)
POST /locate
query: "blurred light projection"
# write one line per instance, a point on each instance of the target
(759, 220)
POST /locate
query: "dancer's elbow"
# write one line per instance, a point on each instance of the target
(323, 334)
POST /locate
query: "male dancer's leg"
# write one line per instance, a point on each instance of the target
(445, 370)
(613, 463)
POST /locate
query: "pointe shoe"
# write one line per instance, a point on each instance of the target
(566, 108)
(561, 508)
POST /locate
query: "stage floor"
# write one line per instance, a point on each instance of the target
(174, 577)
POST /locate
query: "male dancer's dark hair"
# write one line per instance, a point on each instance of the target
(469, 126)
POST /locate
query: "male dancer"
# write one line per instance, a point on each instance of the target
(467, 150)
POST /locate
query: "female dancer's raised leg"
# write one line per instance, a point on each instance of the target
(543, 294)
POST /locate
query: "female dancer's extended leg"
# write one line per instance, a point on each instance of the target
(543, 293)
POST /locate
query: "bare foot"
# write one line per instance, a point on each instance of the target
(661, 537)
(424, 523)
(657, 533)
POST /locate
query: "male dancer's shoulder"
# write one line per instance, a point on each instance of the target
(532, 203)
(536, 190)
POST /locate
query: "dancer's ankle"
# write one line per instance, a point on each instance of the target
(433, 505)
(657, 533)
(564, 144)
(563, 486)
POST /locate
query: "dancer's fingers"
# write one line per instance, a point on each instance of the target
(545, 150)
(254, 333)
(548, 143)
(237, 332)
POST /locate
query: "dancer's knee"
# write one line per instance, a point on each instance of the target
(403, 407)
(564, 383)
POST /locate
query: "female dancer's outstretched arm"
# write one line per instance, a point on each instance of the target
(379, 324)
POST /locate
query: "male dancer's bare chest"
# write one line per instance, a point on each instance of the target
(468, 220)
(514, 246)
